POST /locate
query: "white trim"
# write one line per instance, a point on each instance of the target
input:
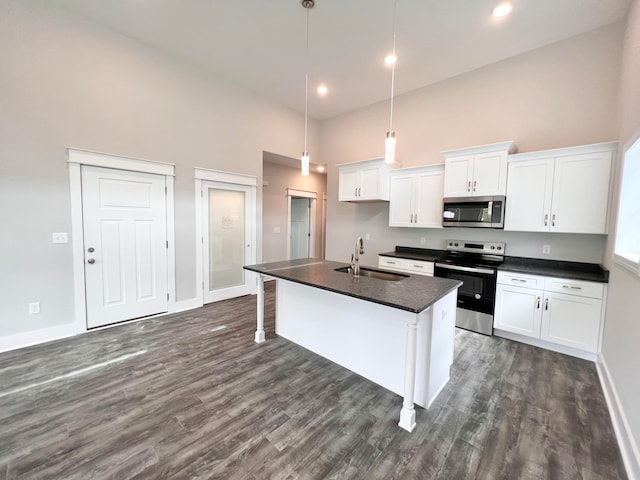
(199, 243)
(574, 352)
(225, 177)
(77, 158)
(557, 152)
(292, 192)
(107, 160)
(26, 339)
(492, 147)
(626, 442)
(626, 263)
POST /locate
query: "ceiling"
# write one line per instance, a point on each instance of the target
(260, 44)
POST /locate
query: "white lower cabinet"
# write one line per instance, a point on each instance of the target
(556, 311)
(406, 265)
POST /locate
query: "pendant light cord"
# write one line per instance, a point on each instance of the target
(393, 66)
(306, 86)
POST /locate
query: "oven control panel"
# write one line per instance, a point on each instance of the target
(491, 248)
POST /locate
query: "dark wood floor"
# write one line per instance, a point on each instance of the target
(181, 397)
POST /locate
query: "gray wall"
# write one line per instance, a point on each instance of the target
(622, 327)
(67, 83)
(558, 96)
(274, 207)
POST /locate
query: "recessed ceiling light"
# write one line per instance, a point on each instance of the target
(322, 89)
(390, 59)
(502, 10)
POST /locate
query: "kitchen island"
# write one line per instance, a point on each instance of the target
(397, 332)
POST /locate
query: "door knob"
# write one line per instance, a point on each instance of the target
(91, 260)
(91, 250)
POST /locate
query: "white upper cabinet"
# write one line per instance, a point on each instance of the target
(366, 181)
(415, 197)
(477, 171)
(564, 190)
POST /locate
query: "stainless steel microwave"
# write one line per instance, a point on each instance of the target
(484, 212)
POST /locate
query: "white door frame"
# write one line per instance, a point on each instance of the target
(292, 192)
(218, 176)
(78, 158)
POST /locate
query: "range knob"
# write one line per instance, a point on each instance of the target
(499, 247)
(493, 247)
(456, 245)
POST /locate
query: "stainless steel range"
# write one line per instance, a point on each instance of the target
(475, 264)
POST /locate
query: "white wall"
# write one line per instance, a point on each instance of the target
(557, 96)
(621, 342)
(68, 83)
(274, 207)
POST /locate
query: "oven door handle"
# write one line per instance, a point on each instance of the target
(465, 269)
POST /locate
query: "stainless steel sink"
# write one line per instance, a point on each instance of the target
(379, 274)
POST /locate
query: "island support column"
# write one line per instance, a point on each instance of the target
(408, 412)
(259, 338)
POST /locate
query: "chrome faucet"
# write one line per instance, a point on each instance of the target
(355, 257)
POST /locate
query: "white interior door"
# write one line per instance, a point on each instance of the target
(300, 227)
(229, 238)
(125, 244)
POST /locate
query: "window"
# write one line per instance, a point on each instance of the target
(627, 250)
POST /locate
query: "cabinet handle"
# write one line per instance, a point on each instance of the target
(416, 218)
(518, 280)
(553, 220)
(572, 287)
(538, 303)
(391, 263)
(546, 220)
(355, 192)
(474, 185)
(419, 266)
(546, 304)
(469, 186)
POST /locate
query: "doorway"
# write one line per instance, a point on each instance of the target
(300, 228)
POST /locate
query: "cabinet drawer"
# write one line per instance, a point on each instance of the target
(418, 267)
(392, 263)
(574, 287)
(521, 280)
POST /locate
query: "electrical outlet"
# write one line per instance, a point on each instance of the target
(546, 249)
(367, 236)
(59, 237)
(34, 307)
(423, 240)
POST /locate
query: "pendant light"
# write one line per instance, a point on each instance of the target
(308, 5)
(390, 142)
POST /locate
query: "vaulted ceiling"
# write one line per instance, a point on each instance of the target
(260, 44)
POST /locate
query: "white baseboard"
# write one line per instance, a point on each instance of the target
(626, 441)
(190, 304)
(574, 352)
(26, 339)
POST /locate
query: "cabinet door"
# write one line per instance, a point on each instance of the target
(457, 176)
(572, 321)
(518, 310)
(348, 184)
(369, 182)
(400, 201)
(581, 193)
(489, 174)
(529, 193)
(428, 199)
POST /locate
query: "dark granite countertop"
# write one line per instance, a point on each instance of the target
(591, 272)
(424, 254)
(414, 293)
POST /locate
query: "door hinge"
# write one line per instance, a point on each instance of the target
(167, 295)
(165, 190)
(167, 243)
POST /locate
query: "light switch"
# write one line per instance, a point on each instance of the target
(60, 237)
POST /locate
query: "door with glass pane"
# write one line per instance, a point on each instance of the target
(228, 240)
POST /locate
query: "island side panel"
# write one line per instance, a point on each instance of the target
(365, 337)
